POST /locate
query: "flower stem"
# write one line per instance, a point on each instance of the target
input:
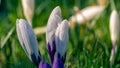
(113, 55)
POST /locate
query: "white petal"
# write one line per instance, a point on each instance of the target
(62, 38)
(88, 13)
(54, 19)
(27, 38)
(114, 26)
(28, 9)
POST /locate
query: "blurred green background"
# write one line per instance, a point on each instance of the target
(86, 48)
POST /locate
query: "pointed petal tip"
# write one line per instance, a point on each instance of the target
(57, 11)
(21, 21)
(58, 7)
(65, 22)
(17, 21)
(114, 10)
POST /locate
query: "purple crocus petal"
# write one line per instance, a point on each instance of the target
(62, 58)
(43, 64)
(52, 50)
(113, 53)
(58, 63)
(35, 59)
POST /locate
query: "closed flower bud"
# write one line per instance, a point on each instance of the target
(61, 38)
(114, 27)
(87, 14)
(57, 35)
(114, 32)
(28, 40)
(54, 19)
(28, 9)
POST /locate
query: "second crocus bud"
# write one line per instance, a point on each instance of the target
(86, 14)
(114, 32)
(28, 9)
(61, 38)
(114, 27)
(57, 38)
(54, 19)
(28, 40)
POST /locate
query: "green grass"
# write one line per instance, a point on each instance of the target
(86, 48)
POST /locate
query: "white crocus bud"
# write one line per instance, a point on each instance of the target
(114, 27)
(61, 38)
(28, 40)
(54, 19)
(114, 32)
(87, 14)
(57, 35)
(28, 9)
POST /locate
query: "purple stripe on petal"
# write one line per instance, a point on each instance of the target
(34, 59)
(62, 58)
(58, 63)
(58, 55)
(54, 46)
(52, 50)
(39, 58)
(114, 50)
(44, 65)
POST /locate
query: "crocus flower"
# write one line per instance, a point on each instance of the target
(28, 40)
(86, 14)
(54, 19)
(58, 63)
(28, 9)
(29, 43)
(114, 32)
(61, 38)
(43, 64)
(57, 35)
